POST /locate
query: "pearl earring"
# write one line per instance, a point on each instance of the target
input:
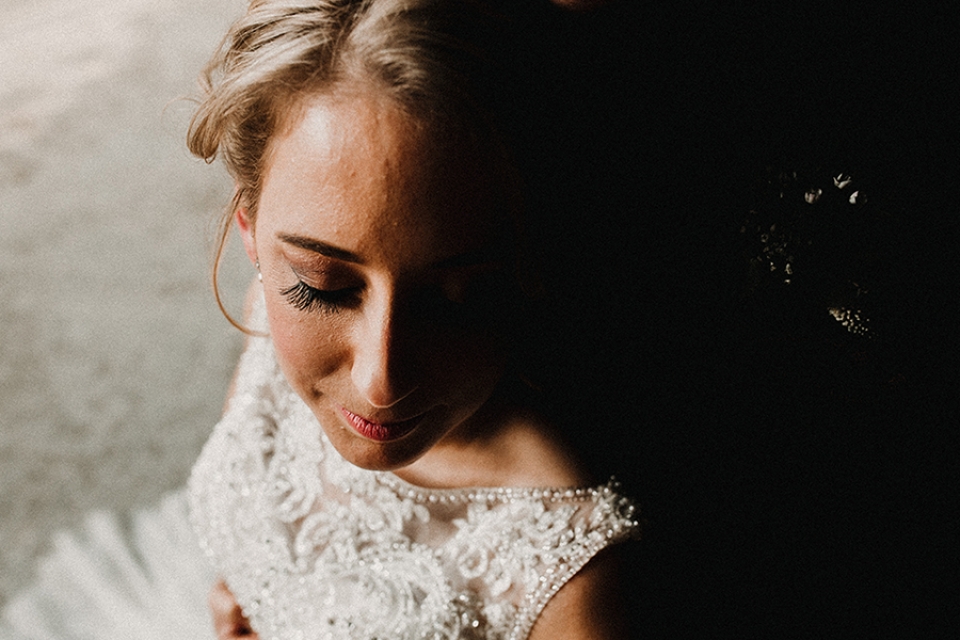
(259, 275)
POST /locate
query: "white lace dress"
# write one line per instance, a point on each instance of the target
(314, 548)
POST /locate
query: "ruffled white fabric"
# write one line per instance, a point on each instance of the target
(118, 578)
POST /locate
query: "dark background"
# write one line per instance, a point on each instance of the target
(796, 481)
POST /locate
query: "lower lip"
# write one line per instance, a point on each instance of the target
(380, 432)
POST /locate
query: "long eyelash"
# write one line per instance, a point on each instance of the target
(304, 297)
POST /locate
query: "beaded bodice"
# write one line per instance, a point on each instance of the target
(313, 547)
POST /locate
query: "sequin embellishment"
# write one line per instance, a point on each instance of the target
(314, 548)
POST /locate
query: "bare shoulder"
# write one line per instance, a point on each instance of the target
(589, 606)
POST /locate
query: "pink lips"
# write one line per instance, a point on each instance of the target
(380, 432)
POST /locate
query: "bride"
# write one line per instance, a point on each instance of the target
(382, 469)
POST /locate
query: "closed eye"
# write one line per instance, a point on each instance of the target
(307, 298)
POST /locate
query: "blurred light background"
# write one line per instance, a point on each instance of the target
(113, 357)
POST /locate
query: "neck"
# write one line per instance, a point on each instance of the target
(503, 444)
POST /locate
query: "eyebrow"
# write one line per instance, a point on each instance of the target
(322, 248)
(485, 255)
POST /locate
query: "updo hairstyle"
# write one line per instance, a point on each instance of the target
(437, 60)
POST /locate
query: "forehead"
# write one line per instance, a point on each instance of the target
(355, 169)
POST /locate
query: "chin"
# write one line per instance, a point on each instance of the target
(378, 456)
(373, 456)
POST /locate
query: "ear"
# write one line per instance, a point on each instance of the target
(245, 225)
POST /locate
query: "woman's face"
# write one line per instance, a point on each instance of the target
(382, 259)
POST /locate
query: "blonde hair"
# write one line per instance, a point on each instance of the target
(426, 55)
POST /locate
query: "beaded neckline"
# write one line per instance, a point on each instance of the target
(491, 494)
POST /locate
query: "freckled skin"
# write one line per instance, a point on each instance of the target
(356, 173)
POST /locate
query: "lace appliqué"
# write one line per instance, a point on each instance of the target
(315, 548)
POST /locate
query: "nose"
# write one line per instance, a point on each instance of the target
(382, 362)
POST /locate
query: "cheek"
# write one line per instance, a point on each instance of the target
(307, 350)
(470, 368)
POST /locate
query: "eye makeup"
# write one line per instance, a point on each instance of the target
(306, 298)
